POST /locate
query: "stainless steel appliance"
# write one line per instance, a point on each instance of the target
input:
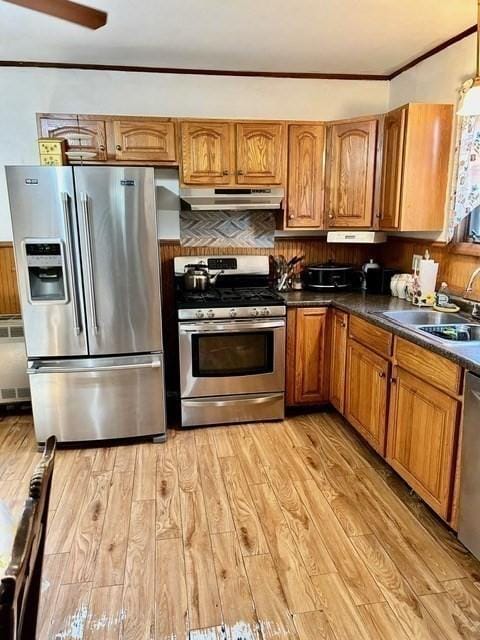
(14, 385)
(469, 520)
(88, 273)
(232, 199)
(231, 344)
(331, 276)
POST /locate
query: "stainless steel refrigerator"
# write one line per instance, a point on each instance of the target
(88, 270)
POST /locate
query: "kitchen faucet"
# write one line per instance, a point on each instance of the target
(469, 289)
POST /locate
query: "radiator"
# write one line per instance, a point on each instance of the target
(14, 385)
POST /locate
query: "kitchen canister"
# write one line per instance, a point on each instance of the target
(393, 285)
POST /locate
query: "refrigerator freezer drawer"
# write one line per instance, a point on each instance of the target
(98, 398)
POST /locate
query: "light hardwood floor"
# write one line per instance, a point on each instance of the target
(266, 531)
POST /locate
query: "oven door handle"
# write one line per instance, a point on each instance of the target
(190, 402)
(214, 327)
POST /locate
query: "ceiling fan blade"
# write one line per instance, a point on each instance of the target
(66, 10)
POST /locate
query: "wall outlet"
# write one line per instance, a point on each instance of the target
(416, 261)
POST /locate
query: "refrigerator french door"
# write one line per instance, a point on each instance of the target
(87, 259)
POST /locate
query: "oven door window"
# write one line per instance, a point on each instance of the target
(232, 354)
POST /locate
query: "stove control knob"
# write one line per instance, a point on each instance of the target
(254, 312)
(266, 311)
(210, 314)
(233, 313)
(199, 314)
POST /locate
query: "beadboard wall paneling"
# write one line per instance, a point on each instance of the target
(9, 302)
(454, 269)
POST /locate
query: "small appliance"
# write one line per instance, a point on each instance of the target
(331, 276)
(378, 280)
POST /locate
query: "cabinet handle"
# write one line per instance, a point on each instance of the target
(225, 172)
(381, 374)
(291, 215)
(343, 324)
(240, 172)
(393, 380)
(330, 215)
(102, 147)
(118, 147)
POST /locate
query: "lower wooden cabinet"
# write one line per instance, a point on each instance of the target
(422, 438)
(366, 394)
(338, 356)
(307, 373)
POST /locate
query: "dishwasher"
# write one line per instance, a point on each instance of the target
(469, 518)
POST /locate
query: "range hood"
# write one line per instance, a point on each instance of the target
(232, 199)
(354, 237)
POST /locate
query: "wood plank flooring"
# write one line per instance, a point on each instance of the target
(256, 531)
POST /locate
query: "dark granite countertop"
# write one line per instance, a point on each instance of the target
(370, 307)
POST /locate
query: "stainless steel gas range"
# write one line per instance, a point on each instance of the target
(231, 343)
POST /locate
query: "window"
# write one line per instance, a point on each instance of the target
(465, 216)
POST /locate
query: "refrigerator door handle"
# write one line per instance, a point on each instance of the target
(68, 242)
(88, 244)
(156, 364)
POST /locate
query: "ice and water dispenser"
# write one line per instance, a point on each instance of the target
(46, 271)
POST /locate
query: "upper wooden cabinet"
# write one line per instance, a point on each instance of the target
(208, 152)
(416, 152)
(307, 373)
(87, 136)
(422, 437)
(350, 176)
(393, 141)
(305, 176)
(129, 140)
(144, 140)
(228, 153)
(260, 152)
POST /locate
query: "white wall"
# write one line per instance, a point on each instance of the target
(438, 78)
(27, 91)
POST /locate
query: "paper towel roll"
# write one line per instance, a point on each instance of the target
(427, 276)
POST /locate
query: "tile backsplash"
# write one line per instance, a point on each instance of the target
(227, 229)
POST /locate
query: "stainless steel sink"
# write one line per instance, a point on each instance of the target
(454, 332)
(421, 317)
(451, 328)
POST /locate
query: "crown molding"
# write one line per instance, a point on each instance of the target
(239, 73)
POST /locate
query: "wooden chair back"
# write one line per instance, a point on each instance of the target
(21, 584)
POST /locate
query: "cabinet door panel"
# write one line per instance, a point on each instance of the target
(338, 356)
(366, 394)
(148, 140)
(351, 173)
(260, 153)
(87, 136)
(392, 168)
(305, 176)
(310, 372)
(207, 153)
(421, 439)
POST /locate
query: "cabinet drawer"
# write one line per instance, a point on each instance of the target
(371, 336)
(432, 368)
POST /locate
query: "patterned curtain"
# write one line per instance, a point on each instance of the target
(466, 172)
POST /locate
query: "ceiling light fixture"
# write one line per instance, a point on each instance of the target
(471, 99)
